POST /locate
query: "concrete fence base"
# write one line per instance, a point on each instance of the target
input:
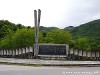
(70, 54)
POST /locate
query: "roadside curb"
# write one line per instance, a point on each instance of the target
(63, 65)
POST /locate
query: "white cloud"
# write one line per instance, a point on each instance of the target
(59, 13)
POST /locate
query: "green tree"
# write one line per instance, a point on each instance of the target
(82, 43)
(23, 37)
(58, 36)
(6, 42)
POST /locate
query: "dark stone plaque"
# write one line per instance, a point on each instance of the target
(52, 50)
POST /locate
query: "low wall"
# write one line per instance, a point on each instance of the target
(19, 51)
(53, 50)
(84, 54)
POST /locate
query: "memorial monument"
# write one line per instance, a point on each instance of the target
(37, 16)
(46, 49)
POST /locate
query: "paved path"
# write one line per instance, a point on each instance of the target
(48, 62)
(27, 70)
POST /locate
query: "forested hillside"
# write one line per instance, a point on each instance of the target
(7, 27)
(85, 37)
(90, 30)
(14, 36)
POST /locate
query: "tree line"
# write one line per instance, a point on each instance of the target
(14, 36)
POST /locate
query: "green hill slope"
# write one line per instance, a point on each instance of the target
(7, 27)
(90, 30)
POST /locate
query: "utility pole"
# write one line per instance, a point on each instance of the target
(37, 16)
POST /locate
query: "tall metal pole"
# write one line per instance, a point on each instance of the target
(37, 24)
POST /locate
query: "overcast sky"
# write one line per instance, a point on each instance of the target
(57, 13)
